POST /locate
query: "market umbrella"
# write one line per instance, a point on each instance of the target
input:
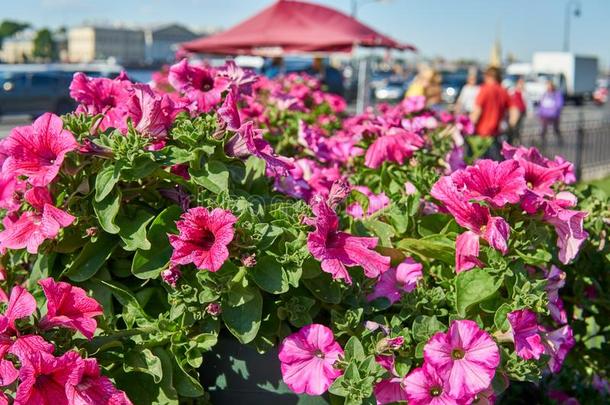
(293, 26)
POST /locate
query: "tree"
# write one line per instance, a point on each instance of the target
(44, 47)
(9, 28)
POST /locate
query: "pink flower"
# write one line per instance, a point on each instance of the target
(555, 280)
(69, 307)
(467, 252)
(476, 218)
(336, 250)
(102, 96)
(377, 202)
(413, 104)
(390, 391)
(524, 328)
(34, 227)
(37, 151)
(570, 231)
(152, 114)
(203, 238)
(497, 183)
(307, 358)
(44, 378)
(467, 353)
(540, 173)
(88, 386)
(202, 86)
(396, 281)
(426, 386)
(171, 275)
(249, 141)
(228, 112)
(396, 147)
(557, 345)
(21, 305)
(240, 79)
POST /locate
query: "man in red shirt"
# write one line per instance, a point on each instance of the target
(491, 105)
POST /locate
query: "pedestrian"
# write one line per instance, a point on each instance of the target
(468, 95)
(490, 109)
(516, 111)
(427, 83)
(549, 112)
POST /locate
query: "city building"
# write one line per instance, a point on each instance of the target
(162, 42)
(19, 48)
(91, 43)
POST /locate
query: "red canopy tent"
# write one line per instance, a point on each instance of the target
(293, 26)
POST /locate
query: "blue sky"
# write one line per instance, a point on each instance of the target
(449, 28)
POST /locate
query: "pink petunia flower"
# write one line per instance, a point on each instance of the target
(497, 183)
(556, 279)
(474, 217)
(397, 146)
(569, 226)
(69, 307)
(228, 112)
(540, 173)
(201, 85)
(203, 238)
(101, 95)
(389, 391)
(152, 114)
(249, 141)
(467, 252)
(44, 378)
(88, 386)
(337, 250)
(377, 202)
(307, 358)
(21, 305)
(467, 354)
(32, 228)
(396, 281)
(37, 151)
(427, 386)
(557, 345)
(524, 329)
(240, 79)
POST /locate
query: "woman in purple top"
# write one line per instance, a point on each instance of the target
(549, 112)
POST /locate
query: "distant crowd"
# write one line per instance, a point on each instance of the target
(495, 111)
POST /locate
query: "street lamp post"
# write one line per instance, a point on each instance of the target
(572, 7)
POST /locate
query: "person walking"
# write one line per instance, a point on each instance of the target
(549, 112)
(516, 112)
(490, 109)
(468, 95)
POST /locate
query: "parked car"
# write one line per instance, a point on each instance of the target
(33, 93)
(393, 90)
(32, 89)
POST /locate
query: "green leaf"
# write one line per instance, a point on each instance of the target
(148, 263)
(133, 230)
(500, 319)
(473, 287)
(105, 181)
(425, 326)
(91, 258)
(213, 175)
(144, 361)
(431, 247)
(106, 211)
(269, 275)
(244, 321)
(167, 383)
(354, 350)
(324, 288)
(383, 231)
(185, 384)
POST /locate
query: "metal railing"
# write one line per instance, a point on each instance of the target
(586, 143)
